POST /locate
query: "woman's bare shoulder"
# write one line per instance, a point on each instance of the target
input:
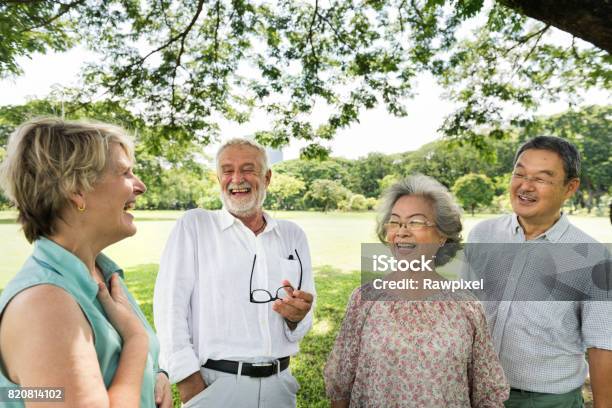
(46, 301)
(41, 318)
(45, 338)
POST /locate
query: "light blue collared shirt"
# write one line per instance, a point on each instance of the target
(51, 264)
(541, 343)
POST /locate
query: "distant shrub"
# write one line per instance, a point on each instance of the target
(358, 202)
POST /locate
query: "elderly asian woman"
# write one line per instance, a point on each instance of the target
(422, 347)
(67, 318)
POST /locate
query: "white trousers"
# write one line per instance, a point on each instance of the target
(240, 391)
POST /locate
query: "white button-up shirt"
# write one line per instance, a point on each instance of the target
(201, 303)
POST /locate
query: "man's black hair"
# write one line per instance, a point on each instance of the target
(567, 151)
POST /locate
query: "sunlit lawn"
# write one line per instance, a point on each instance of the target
(334, 238)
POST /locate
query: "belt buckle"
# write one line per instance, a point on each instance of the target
(273, 365)
(262, 364)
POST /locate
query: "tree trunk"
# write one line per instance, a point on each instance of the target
(590, 20)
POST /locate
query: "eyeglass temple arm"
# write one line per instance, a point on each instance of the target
(301, 270)
(251, 280)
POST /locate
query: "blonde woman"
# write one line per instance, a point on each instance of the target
(67, 319)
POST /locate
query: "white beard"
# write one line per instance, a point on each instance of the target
(244, 208)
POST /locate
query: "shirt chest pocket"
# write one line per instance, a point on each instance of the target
(289, 269)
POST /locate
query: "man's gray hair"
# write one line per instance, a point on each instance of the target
(241, 141)
(447, 214)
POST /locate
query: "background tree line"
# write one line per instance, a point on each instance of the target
(184, 177)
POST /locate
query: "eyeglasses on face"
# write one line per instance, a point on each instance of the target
(536, 180)
(263, 295)
(410, 225)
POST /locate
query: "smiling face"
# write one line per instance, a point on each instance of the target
(242, 179)
(423, 240)
(539, 200)
(107, 205)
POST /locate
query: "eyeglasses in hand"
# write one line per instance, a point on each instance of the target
(263, 295)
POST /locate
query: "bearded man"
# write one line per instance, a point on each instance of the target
(234, 293)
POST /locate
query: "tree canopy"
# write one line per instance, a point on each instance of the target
(185, 178)
(184, 66)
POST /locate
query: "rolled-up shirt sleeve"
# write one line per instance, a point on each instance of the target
(171, 302)
(597, 324)
(308, 285)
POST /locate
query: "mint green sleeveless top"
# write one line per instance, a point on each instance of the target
(53, 265)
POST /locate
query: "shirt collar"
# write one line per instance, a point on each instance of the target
(514, 224)
(272, 223)
(227, 220)
(553, 234)
(71, 268)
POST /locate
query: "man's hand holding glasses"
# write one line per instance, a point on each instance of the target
(294, 306)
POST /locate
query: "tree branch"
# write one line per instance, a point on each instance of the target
(401, 17)
(163, 8)
(574, 50)
(526, 38)
(310, 35)
(339, 36)
(418, 12)
(542, 31)
(177, 64)
(216, 35)
(182, 36)
(66, 8)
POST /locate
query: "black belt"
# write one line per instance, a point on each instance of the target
(249, 369)
(523, 391)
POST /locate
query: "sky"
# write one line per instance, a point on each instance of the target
(377, 130)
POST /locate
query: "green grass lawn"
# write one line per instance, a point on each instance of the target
(335, 238)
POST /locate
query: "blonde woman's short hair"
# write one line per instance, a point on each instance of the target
(47, 160)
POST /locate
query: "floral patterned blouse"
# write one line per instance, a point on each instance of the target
(397, 353)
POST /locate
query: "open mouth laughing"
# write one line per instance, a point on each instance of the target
(130, 205)
(526, 199)
(239, 190)
(405, 245)
(405, 248)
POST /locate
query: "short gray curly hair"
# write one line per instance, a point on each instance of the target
(241, 141)
(447, 212)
